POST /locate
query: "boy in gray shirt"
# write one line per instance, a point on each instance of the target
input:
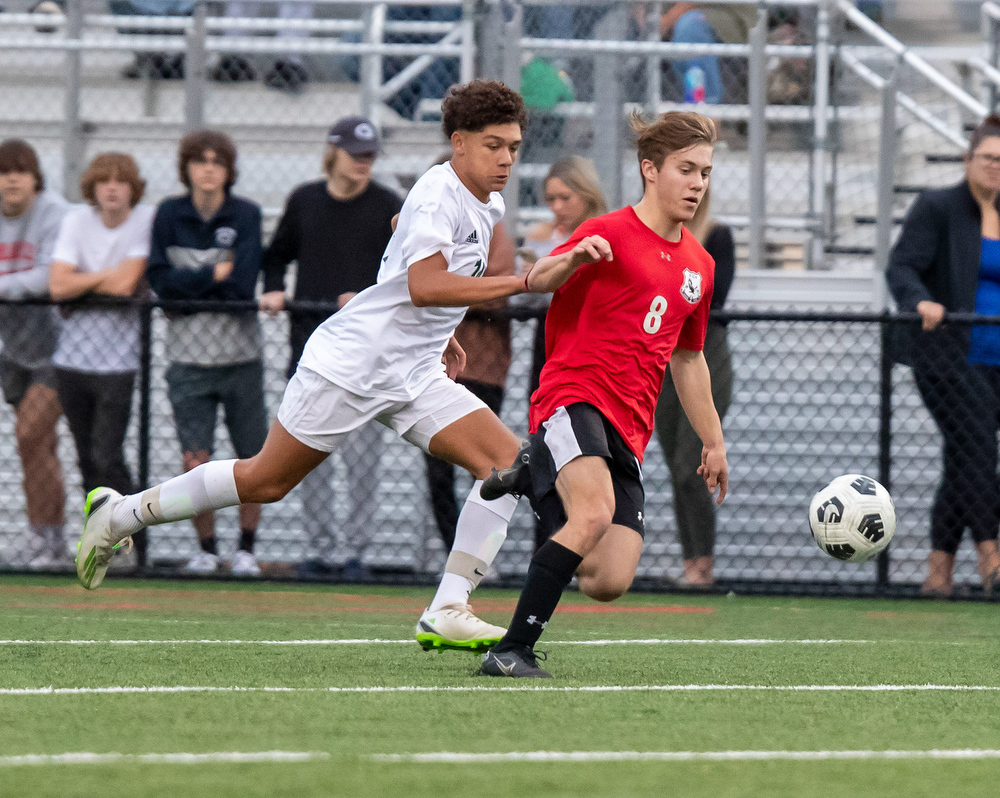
(29, 225)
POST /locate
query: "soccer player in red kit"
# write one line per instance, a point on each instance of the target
(632, 291)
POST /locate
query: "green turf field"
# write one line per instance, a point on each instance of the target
(692, 683)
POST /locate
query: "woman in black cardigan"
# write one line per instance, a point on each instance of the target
(694, 505)
(947, 259)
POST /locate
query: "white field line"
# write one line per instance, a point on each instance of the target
(637, 688)
(228, 757)
(647, 641)
(682, 756)
(221, 757)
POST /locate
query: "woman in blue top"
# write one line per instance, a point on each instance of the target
(947, 259)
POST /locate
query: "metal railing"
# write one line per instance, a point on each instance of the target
(489, 39)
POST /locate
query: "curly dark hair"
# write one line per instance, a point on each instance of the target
(193, 148)
(476, 105)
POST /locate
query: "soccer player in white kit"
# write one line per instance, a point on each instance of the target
(387, 355)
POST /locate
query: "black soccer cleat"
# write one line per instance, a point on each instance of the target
(518, 662)
(515, 479)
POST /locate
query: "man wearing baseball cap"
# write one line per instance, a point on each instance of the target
(337, 229)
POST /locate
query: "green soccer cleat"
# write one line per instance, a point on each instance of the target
(455, 627)
(96, 547)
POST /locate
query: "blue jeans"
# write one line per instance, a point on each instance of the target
(693, 28)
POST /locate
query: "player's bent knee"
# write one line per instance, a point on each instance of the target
(603, 589)
(258, 485)
(594, 520)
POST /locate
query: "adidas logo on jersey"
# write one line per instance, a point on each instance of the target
(473, 238)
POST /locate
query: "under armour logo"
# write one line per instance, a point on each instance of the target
(664, 256)
(533, 620)
(640, 515)
(473, 238)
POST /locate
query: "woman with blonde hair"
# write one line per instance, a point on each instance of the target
(573, 194)
(693, 503)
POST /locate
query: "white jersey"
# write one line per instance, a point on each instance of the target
(382, 345)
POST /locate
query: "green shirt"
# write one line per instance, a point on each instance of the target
(543, 86)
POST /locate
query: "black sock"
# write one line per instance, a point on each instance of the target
(247, 538)
(208, 544)
(551, 569)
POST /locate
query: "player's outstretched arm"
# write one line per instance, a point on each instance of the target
(552, 271)
(432, 285)
(694, 389)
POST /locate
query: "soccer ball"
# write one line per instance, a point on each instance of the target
(852, 518)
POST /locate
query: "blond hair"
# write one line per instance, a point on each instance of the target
(581, 178)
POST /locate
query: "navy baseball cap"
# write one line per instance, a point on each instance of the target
(355, 134)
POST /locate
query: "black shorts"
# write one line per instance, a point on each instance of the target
(581, 430)
(15, 379)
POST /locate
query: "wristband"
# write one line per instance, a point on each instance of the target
(526, 275)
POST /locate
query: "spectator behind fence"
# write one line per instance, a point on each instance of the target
(947, 259)
(694, 506)
(165, 66)
(484, 334)
(29, 225)
(695, 23)
(432, 82)
(101, 251)
(573, 194)
(336, 229)
(286, 73)
(206, 245)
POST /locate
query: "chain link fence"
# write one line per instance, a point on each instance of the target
(810, 103)
(813, 397)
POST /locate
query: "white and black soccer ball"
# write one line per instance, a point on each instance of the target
(853, 518)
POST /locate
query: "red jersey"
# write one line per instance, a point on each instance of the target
(612, 326)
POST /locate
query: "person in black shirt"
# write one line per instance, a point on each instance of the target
(336, 229)
(694, 505)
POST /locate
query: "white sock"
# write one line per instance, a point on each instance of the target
(54, 538)
(210, 486)
(481, 531)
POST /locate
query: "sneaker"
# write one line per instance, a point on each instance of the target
(455, 627)
(202, 564)
(96, 546)
(287, 76)
(50, 560)
(232, 69)
(517, 662)
(515, 480)
(244, 564)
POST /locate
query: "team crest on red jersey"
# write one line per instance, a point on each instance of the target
(691, 287)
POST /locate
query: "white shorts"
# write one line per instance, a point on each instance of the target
(320, 413)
